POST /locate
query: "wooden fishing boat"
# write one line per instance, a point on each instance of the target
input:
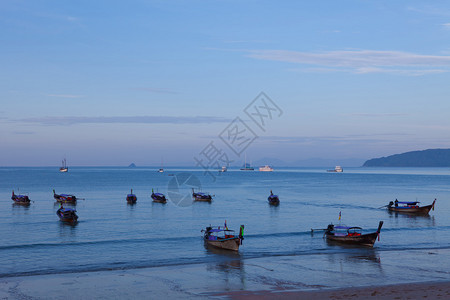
(199, 196)
(131, 198)
(273, 199)
(20, 199)
(223, 238)
(66, 198)
(410, 207)
(67, 215)
(158, 197)
(64, 168)
(352, 235)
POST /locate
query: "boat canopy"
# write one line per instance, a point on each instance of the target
(409, 203)
(219, 230)
(346, 227)
(66, 195)
(158, 194)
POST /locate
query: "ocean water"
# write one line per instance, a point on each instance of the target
(112, 235)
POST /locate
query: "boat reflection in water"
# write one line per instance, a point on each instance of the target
(230, 267)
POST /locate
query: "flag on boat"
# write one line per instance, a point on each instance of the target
(339, 216)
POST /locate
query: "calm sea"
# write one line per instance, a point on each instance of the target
(112, 235)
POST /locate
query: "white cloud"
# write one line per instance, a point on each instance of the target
(446, 26)
(361, 61)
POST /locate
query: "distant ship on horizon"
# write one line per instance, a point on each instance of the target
(266, 168)
(64, 168)
(337, 169)
(246, 166)
(161, 170)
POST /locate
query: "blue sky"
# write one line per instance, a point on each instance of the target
(115, 82)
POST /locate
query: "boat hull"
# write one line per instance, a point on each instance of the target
(22, 202)
(362, 240)
(273, 200)
(158, 197)
(131, 199)
(228, 244)
(20, 199)
(67, 217)
(424, 210)
(159, 201)
(65, 199)
(202, 199)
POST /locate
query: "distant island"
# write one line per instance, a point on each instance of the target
(132, 165)
(424, 158)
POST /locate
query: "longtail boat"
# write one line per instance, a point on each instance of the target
(199, 196)
(273, 199)
(20, 199)
(67, 215)
(64, 197)
(410, 207)
(131, 198)
(223, 238)
(352, 235)
(158, 197)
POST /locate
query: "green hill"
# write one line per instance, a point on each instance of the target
(424, 158)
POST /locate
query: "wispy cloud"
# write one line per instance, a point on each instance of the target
(379, 115)
(246, 41)
(376, 137)
(23, 132)
(430, 10)
(129, 119)
(406, 71)
(58, 17)
(446, 26)
(361, 61)
(156, 90)
(64, 96)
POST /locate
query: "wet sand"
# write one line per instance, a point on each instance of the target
(291, 277)
(433, 290)
(170, 283)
